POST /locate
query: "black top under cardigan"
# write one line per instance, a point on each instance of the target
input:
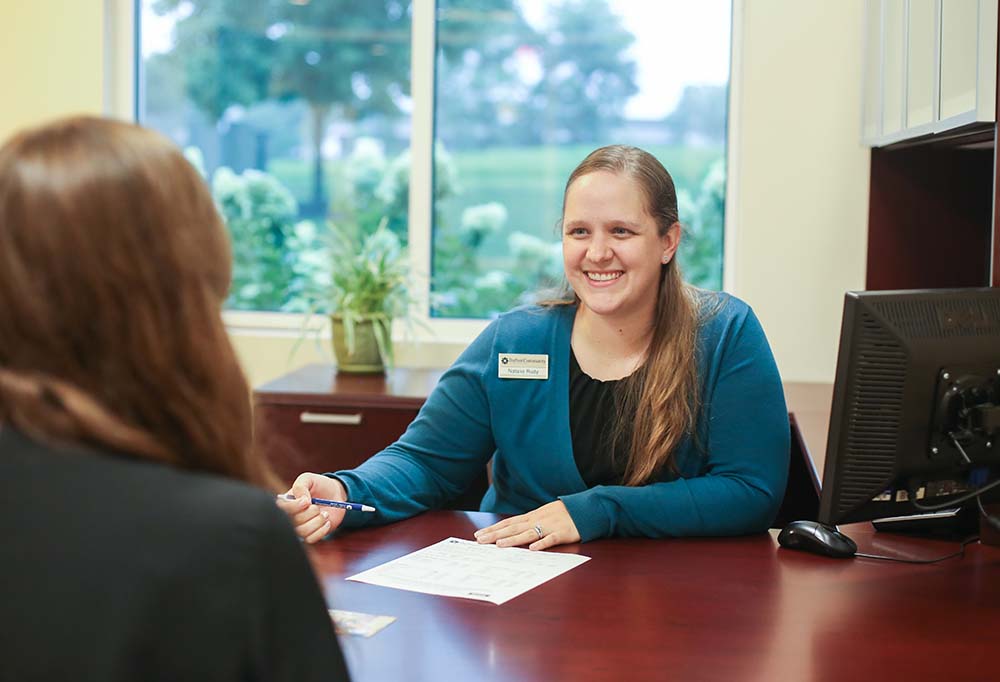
(591, 416)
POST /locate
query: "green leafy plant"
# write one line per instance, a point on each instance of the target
(368, 281)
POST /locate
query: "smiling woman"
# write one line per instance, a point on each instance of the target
(688, 436)
(637, 320)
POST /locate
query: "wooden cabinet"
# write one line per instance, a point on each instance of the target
(893, 67)
(932, 219)
(921, 64)
(967, 68)
(930, 68)
(315, 419)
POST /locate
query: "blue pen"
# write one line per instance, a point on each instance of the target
(350, 506)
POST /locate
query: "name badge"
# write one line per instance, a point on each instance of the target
(523, 366)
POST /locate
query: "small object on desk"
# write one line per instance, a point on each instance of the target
(350, 506)
(467, 569)
(812, 536)
(355, 623)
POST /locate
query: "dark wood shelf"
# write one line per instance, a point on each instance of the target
(399, 387)
(930, 221)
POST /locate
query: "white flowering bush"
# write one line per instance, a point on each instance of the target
(261, 215)
(479, 222)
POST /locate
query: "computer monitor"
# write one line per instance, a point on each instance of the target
(915, 420)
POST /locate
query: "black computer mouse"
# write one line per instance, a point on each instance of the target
(812, 536)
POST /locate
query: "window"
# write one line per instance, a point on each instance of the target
(300, 113)
(526, 90)
(296, 112)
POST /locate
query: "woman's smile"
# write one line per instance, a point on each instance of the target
(603, 278)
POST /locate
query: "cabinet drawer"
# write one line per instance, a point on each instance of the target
(297, 438)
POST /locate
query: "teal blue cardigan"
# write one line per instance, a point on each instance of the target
(728, 481)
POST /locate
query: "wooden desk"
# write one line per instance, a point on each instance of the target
(685, 609)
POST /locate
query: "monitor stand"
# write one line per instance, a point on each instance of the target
(947, 524)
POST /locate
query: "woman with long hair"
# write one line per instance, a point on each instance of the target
(636, 405)
(138, 539)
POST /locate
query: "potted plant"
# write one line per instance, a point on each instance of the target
(367, 290)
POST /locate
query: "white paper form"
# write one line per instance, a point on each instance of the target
(467, 569)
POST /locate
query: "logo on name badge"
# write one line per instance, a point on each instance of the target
(523, 366)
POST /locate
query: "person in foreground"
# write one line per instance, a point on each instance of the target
(134, 546)
(659, 411)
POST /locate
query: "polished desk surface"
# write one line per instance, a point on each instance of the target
(680, 609)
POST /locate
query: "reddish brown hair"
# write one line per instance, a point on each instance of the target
(113, 266)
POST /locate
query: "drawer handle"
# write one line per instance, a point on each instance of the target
(320, 418)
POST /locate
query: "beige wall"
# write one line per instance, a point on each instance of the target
(801, 176)
(51, 60)
(799, 181)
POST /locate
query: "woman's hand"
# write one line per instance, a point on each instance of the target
(547, 526)
(312, 523)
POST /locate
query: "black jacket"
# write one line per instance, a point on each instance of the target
(113, 568)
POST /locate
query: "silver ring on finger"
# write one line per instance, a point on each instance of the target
(538, 529)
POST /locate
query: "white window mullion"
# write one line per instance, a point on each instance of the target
(421, 207)
(120, 51)
(421, 152)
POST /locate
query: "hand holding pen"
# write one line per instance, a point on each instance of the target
(349, 506)
(316, 506)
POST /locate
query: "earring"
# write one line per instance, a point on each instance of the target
(666, 258)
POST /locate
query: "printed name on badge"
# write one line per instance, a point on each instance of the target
(523, 366)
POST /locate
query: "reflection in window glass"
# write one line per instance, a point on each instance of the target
(296, 112)
(525, 90)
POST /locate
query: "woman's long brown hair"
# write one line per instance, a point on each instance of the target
(113, 266)
(666, 385)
